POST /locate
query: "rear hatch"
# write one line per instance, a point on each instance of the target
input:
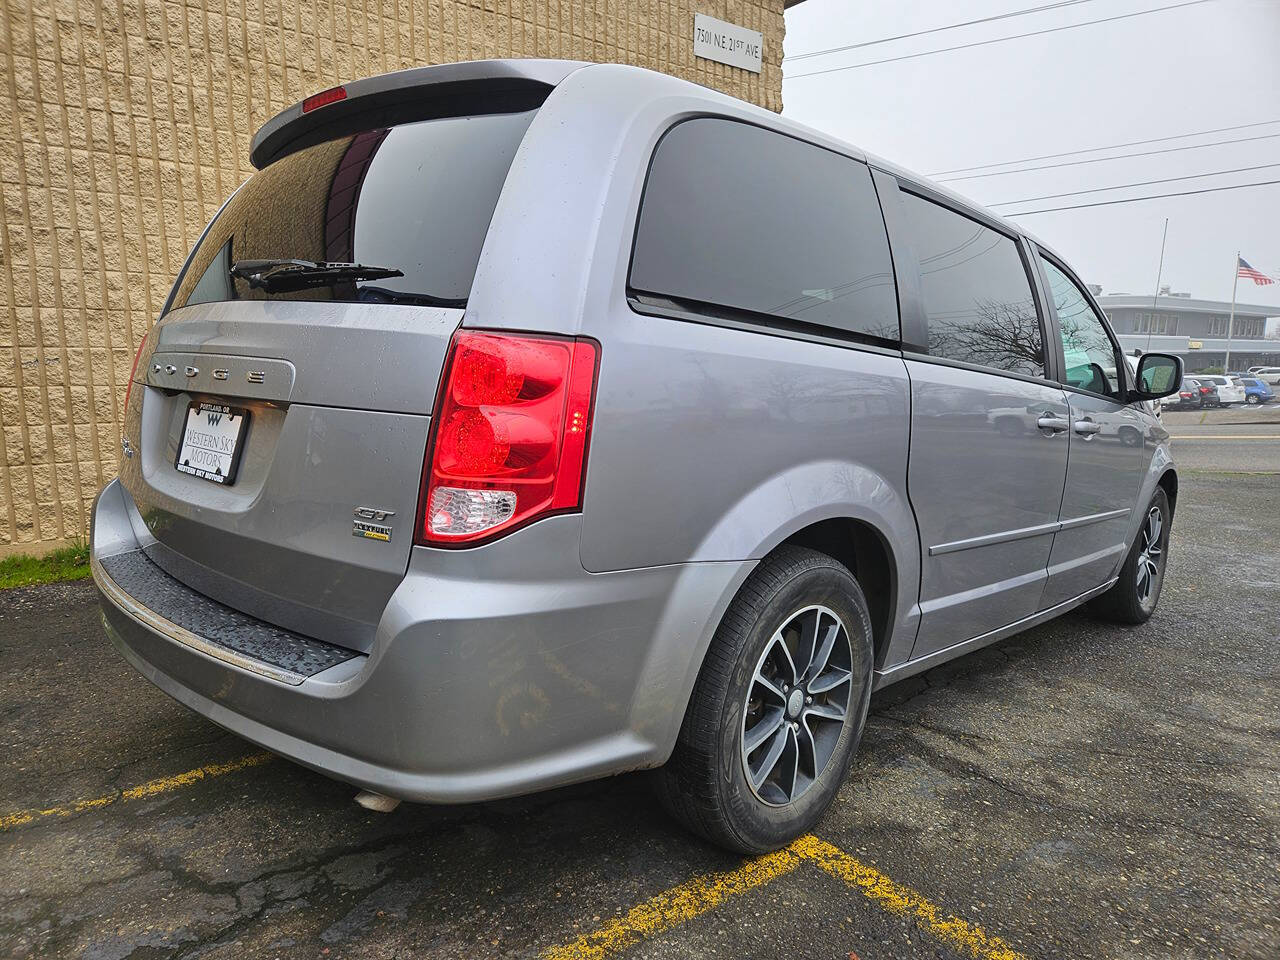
(281, 410)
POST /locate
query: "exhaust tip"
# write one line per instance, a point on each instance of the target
(376, 802)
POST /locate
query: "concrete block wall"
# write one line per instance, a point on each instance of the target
(123, 125)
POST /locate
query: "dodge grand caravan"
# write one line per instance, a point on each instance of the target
(524, 422)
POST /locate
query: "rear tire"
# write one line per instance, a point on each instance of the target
(1253, 400)
(1134, 597)
(718, 782)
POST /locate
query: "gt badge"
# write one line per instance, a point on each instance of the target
(372, 524)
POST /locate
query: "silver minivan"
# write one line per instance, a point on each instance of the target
(524, 422)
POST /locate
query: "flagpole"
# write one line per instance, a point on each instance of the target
(1155, 298)
(1231, 320)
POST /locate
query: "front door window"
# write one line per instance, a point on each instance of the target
(1091, 360)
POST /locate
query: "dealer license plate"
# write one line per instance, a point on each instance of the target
(212, 441)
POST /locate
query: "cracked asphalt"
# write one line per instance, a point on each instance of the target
(1079, 790)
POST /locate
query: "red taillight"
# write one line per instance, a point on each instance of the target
(128, 390)
(324, 98)
(509, 435)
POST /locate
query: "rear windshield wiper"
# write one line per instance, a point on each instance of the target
(274, 276)
(373, 294)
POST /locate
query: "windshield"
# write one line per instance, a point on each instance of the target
(415, 200)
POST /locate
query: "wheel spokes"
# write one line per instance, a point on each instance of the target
(763, 729)
(808, 749)
(760, 771)
(789, 766)
(822, 650)
(825, 711)
(785, 662)
(767, 686)
(828, 681)
(1155, 524)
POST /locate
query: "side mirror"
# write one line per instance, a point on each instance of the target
(1159, 375)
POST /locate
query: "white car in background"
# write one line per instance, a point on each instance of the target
(1269, 375)
(1230, 390)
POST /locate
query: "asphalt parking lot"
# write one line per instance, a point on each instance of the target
(1234, 440)
(1080, 790)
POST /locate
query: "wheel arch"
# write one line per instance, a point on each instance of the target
(868, 555)
(1169, 483)
(845, 510)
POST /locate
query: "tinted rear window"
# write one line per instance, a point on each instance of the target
(744, 218)
(976, 291)
(417, 197)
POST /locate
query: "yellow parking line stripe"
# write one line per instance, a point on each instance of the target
(149, 789)
(702, 894)
(903, 901)
(675, 906)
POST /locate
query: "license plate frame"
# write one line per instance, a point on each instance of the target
(222, 465)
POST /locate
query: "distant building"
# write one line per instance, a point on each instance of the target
(1195, 330)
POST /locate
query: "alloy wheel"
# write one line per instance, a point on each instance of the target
(1150, 555)
(796, 705)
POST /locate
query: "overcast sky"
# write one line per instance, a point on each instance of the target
(1210, 65)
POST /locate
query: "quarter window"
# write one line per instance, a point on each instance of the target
(739, 217)
(1091, 360)
(976, 291)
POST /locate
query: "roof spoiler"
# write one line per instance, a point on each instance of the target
(451, 89)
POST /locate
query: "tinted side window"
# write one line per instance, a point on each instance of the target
(738, 216)
(976, 291)
(1091, 362)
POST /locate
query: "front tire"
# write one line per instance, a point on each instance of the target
(1253, 400)
(778, 708)
(1135, 594)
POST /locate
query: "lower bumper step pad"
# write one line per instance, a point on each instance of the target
(218, 625)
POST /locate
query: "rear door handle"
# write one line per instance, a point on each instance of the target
(1087, 428)
(1048, 421)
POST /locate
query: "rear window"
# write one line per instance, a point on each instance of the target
(415, 198)
(739, 217)
(976, 291)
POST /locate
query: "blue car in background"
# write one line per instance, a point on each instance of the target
(1256, 391)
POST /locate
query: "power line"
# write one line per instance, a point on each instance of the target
(1126, 186)
(1153, 196)
(1118, 156)
(983, 43)
(950, 26)
(1113, 146)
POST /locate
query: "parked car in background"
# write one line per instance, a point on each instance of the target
(1208, 392)
(525, 422)
(1269, 375)
(1256, 391)
(1229, 389)
(1188, 397)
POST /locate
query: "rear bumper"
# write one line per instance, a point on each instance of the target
(494, 672)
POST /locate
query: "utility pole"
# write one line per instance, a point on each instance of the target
(1231, 320)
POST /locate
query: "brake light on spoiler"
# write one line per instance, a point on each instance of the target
(509, 435)
(324, 98)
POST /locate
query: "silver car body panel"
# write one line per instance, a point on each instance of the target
(568, 649)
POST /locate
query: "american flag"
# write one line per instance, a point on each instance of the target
(1244, 270)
